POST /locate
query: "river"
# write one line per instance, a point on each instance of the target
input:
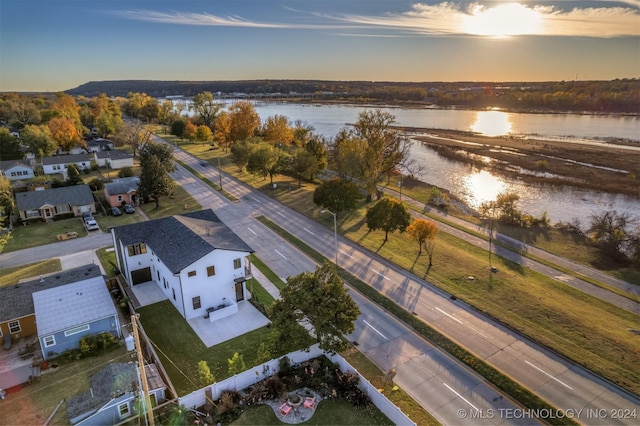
(475, 186)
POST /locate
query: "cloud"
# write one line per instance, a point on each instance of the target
(445, 18)
(477, 19)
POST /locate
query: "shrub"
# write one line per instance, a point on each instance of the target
(96, 184)
(125, 172)
(204, 374)
(284, 365)
(236, 364)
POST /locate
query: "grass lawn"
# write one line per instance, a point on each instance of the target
(181, 203)
(328, 412)
(33, 404)
(14, 275)
(39, 233)
(107, 257)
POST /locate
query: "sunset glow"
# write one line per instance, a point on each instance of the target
(502, 21)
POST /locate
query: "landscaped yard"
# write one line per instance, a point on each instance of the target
(33, 270)
(39, 233)
(181, 203)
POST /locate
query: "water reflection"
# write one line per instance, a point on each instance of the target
(492, 123)
(482, 186)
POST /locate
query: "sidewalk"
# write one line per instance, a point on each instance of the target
(264, 282)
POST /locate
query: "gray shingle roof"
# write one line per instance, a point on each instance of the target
(115, 154)
(4, 165)
(65, 159)
(72, 305)
(122, 186)
(17, 301)
(76, 195)
(180, 240)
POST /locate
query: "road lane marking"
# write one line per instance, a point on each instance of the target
(548, 375)
(460, 396)
(252, 231)
(374, 329)
(255, 199)
(450, 316)
(280, 214)
(345, 253)
(309, 232)
(280, 254)
(379, 273)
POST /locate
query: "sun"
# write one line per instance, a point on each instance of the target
(505, 20)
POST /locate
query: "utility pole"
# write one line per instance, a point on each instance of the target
(143, 373)
(219, 173)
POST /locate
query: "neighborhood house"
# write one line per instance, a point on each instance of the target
(200, 264)
(123, 190)
(116, 159)
(47, 204)
(59, 164)
(16, 169)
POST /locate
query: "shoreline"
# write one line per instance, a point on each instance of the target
(599, 167)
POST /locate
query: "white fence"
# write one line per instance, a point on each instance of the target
(252, 376)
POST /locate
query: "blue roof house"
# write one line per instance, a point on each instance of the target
(67, 313)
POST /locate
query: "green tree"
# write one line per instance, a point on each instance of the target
(317, 146)
(389, 215)
(609, 230)
(204, 374)
(263, 354)
(424, 232)
(9, 146)
(380, 147)
(240, 152)
(337, 195)
(236, 364)
(303, 165)
(177, 127)
(265, 160)
(205, 108)
(156, 162)
(203, 134)
(73, 175)
(320, 301)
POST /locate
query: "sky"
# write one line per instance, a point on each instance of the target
(48, 45)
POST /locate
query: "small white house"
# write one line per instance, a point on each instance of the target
(115, 159)
(60, 163)
(97, 145)
(16, 169)
(197, 261)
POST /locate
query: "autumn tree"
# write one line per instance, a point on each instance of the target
(167, 113)
(610, 230)
(38, 140)
(320, 301)
(65, 133)
(277, 130)
(22, 111)
(424, 232)
(337, 195)
(135, 135)
(317, 146)
(389, 215)
(222, 130)
(190, 130)
(205, 108)
(302, 133)
(156, 162)
(9, 146)
(244, 120)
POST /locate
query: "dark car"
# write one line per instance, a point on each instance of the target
(115, 211)
(128, 209)
(87, 216)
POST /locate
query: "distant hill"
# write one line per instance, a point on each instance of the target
(615, 96)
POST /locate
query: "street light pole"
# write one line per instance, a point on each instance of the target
(335, 234)
(219, 173)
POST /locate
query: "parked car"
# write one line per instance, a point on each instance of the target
(86, 216)
(115, 211)
(128, 209)
(91, 225)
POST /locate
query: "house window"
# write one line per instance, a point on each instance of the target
(136, 249)
(14, 327)
(63, 208)
(191, 273)
(158, 275)
(174, 293)
(56, 167)
(49, 341)
(32, 213)
(211, 271)
(196, 302)
(123, 410)
(120, 198)
(164, 281)
(76, 330)
(237, 263)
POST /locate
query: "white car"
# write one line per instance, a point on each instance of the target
(91, 225)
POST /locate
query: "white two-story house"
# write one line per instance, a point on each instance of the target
(196, 260)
